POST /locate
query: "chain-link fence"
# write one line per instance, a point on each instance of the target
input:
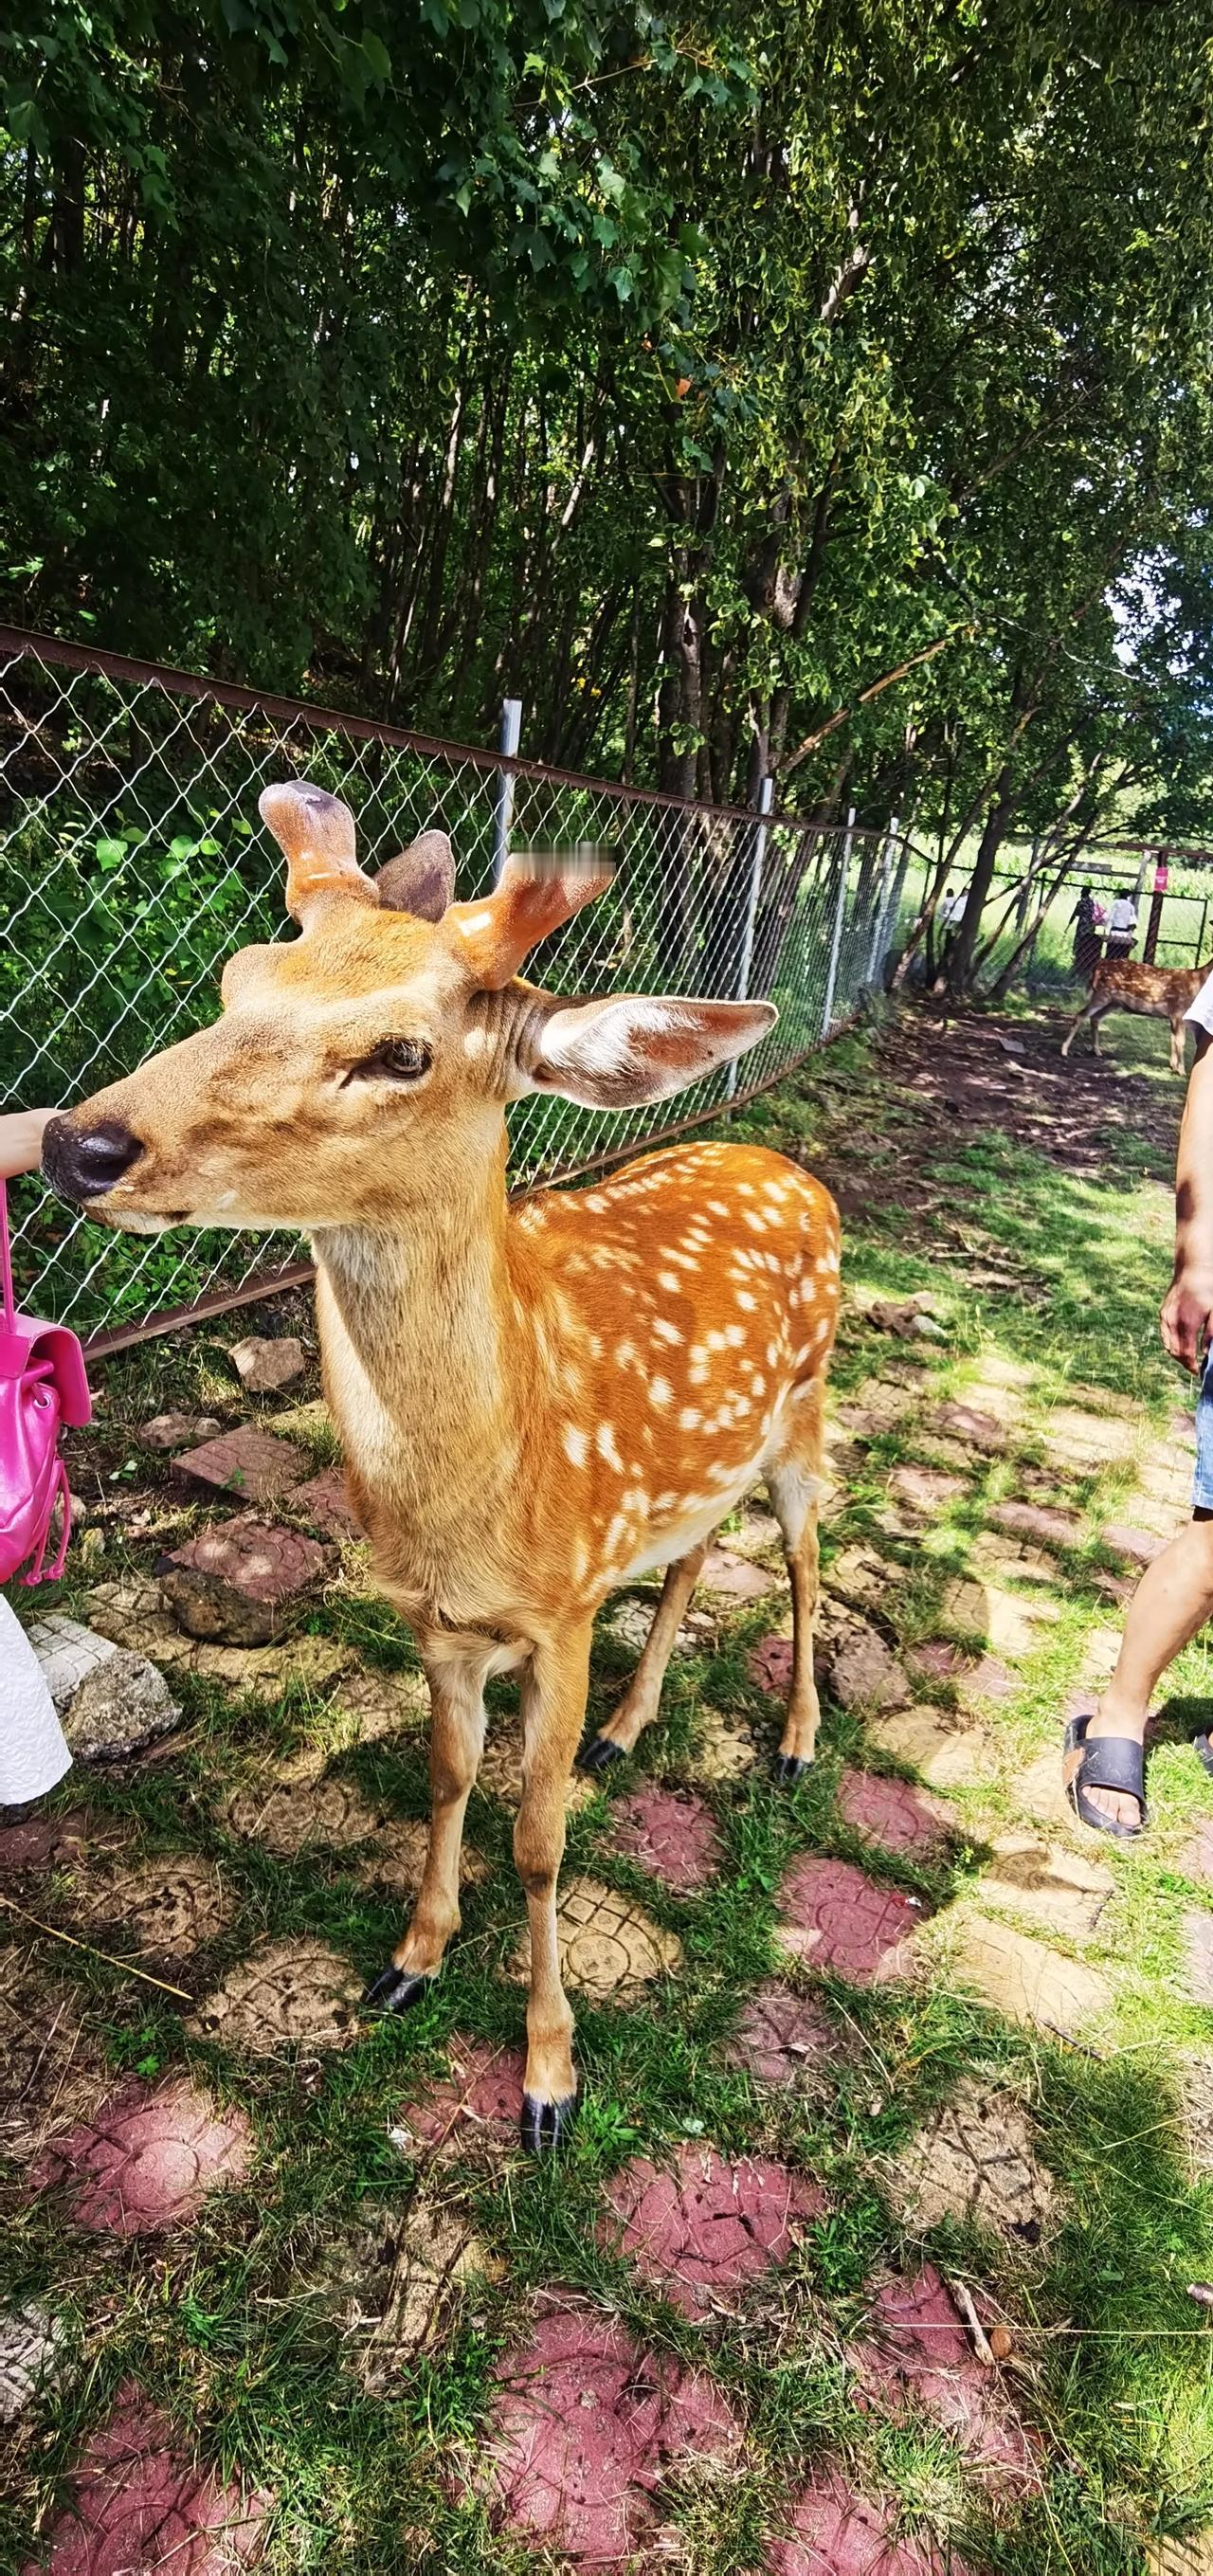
(133, 863)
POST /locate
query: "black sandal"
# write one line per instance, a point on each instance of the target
(1111, 1762)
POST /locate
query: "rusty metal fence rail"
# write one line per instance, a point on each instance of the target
(132, 863)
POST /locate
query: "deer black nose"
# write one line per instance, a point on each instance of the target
(83, 1163)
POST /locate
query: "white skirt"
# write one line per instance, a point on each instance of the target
(33, 1747)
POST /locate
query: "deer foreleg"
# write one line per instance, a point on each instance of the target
(456, 1742)
(638, 1707)
(795, 1488)
(553, 1714)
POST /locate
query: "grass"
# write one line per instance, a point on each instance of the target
(235, 2326)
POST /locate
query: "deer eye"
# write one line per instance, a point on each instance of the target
(393, 1060)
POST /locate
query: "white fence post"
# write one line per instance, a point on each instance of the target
(844, 875)
(511, 728)
(766, 798)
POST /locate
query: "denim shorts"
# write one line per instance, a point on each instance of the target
(1202, 1482)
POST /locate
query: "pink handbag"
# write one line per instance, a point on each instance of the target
(42, 1383)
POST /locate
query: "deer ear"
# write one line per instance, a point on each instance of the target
(537, 890)
(316, 831)
(620, 1054)
(421, 880)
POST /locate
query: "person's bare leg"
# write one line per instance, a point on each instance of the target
(1173, 1599)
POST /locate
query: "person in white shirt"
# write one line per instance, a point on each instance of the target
(1104, 1754)
(1122, 925)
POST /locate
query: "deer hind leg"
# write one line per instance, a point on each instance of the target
(1087, 1012)
(456, 1743)
(638, 1707)
(1177, 1046)
(553, 1714)
(794, 1486)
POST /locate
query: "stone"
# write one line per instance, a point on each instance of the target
(611, 1949)
(1084, 1441)
(397, 1857)
(242, 1582)
(1052, 1527)
(131, 1613)
(250, 1465)
(50, 2069)
(884, 1406)
(1041, 1791)
(863, 1673)
(285, 1811)
(967, 1424)
(769, 1666)
(500, 1772)
(409, 2287)
(982, 1677)
(918, 2350)
(147, 2160)
(930, 1491)
(628, 1622)
(1027, 1983)
(705, 2226)
(671, 1833)
(312, 1423)
(784, 2041)
(909, 1320)
(164, 1909)
(735, 1576)
(29, 2340)
(123, 1704)
(324, 1502)
(1010, 1626)
(1197, 1970)
(724, 1749)
(67, 1653)
(945, 1753)
(474, 2111)
(1058, 1889)
(176, 1430)
(861, 1578)
(264, 1366)
(1192, 2556)
(832, 2531)
(835, 1918)
(1140, 1546)
(973, 2159)
(585, 2430)
(758, 1532)
(138, 2505)
(373, 1703)
(295, 1993)
(891, 1812)
(1010, 1561)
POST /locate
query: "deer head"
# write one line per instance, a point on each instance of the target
(354, 1068)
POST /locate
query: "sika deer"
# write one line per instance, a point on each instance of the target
(1154, 992)
(536, 1403)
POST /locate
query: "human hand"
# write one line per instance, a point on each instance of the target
(21, 1141)
(1187, 1315)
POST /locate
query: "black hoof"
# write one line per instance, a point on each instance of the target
(545, 2125)
(789, 1767)
(598, 1752)
(395, 1991)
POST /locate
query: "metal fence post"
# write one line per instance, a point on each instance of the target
(766, 798)
(844, 873)
(886, 869)
(511, 728)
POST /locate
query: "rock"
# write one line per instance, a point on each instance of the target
(68, 1653)
(975, 1676)
(759, 1532)
(244, 1582)
(264, 1366)
(176, 1430)
(131, 1613)
(1026, 1982)
(123, 1704)
(928, 1490)
(910, 1320)
(864, 1674)
(28, 2340)
(973, 2158)
(862, 1578)
(250, 1465)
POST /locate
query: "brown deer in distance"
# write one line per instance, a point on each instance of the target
(537, 1403)
(1154, 992)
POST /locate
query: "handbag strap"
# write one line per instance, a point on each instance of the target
(6, 1264)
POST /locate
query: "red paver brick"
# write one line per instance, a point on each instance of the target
(782, 2038)
(247, 1463)
(834, 2532)
(919, 2350)
(966, 1422)
(835, 1917)
(701, 2230)
(977, 1676)
(769, 1666)
(892, 1812)
(481, 2099)
(244, 1581)
(584, 2429)
(1141, 1546)
(147, 2160)
(670, 1832)
(1041, 1521)
(928, 1489)
(65, 1841)
(325, 1503)
(725, 1572)
(139, 2507)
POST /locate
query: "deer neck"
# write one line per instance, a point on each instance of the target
(419, 1330)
